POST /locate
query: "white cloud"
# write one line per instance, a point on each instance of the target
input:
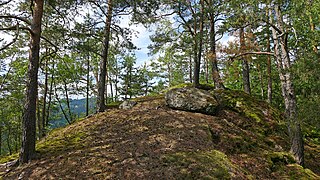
(140, 38)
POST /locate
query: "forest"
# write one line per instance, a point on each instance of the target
(53, 52)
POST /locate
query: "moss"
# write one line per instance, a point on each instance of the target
(240, 144)
(5, 159)
(295, 171)
(113, 105)
(206, 86)
(276, 159)
(59, 141)
(183, 85)
(248, 106)
(148, 98)
(203, 164)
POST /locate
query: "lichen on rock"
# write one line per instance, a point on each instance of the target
(127, 104)
(192, 99)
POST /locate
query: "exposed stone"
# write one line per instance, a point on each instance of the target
(127, 104)
(192, 99)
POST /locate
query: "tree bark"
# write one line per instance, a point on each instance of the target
(68, 101)
(245, 65)
(261, 80)
(49, 100)
(190, 69)
(213, 54)
(198, 51)
(269, 98)
(28, 150)
(288, 93)
(60, 105)
(8, 139)
(103, 62)
(88, 86)
(39, 117)
(44, 107)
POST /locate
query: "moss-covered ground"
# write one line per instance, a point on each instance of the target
(246, 140)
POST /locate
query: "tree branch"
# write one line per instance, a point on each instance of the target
(15, 17)
(184, 21)
(44, 38)
(15, 28)
(4, 3)
(13, 41)
(272, 25)
(247, 53)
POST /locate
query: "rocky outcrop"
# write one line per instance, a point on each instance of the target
(127, 104)
(192, 99)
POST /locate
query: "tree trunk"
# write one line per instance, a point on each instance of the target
(269, 71)
(213, 55)
(288, 93)
(206, 69)
(60, 105)
(313, 42)
(198, 51)
(261, 80)
(269, 90)
(39, 118)
(190, 68)
(130, 81)
(245, 65)
(49, 100)
(169, 74)
(111, 89)
(116, 85)
(88, 86)
(68, 101)
(8, 140)
(101, 106)
(28, 150)
(44, 108)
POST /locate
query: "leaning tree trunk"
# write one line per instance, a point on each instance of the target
(288, 93)
(103, 62)
(28, 151)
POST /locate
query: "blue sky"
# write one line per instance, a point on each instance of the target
(142, 40)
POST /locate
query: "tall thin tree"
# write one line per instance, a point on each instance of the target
(28, 150)
(104, 59)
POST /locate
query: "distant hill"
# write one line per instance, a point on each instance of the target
(246, 139)
(78, 110)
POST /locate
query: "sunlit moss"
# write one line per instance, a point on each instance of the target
(206, 165)
(9, 158)
(59, 141)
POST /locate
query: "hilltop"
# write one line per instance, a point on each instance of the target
(245, 139)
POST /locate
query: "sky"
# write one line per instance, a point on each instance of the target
(142, 39)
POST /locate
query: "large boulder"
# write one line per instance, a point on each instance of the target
(192, 99)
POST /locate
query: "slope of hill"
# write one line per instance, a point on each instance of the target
(246, 140)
